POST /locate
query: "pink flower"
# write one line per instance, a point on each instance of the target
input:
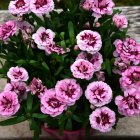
(68, 91)
(129, 105)
(53, 48)
(100, 75)
(51, 105)
(16, 74)
(89, 41)
(20, 88)
(102, 7)
(17, 87)
(120, 66)
(98, 93)
(19, 7)
(96, 59)
(87, 4)
(120, 21)
(9, 104)
(82, 69)
(36, 87)
(102, 119)
(127, 50)
(130, 77)
(26, 28)
(41, 7)
(7, 30)
(43, 37)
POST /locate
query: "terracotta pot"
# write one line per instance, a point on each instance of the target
(67, 135)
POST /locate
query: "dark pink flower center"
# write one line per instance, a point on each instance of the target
(98, 93)
(40, 3)
(7, 103)
(69, 90)
(82, 68)
(135, 76)
(90, 39)
(17, 74)
(54, 103)
(44, 36)
(103, 119)
(132, 102)
(20, 3)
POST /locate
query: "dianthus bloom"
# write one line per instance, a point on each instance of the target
(68, 91)
(41, 7)
(89, 41)
(98, 93)
(120, 66)
(16, 74)
(9, 103)
(36, 86)
(130, 77)
(53, 48)
(99, 7)
(120, 21)
(87, 4)
(17, 87)
(100, 75)
(19, 7)
(129, 105)
(20, 88)
(51, 105)
(7, 30)
(96, 59)
(82, 69)
(43, 37)
(102, 119)
(26, 28)
(127, 50)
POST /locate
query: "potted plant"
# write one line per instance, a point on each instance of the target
(70, 67)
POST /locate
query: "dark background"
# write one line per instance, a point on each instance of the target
(4, 3)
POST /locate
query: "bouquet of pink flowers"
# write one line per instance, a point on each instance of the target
(68, 63)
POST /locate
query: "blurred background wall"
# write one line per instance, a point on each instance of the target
(4, 3)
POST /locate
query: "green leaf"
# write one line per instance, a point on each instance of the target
(29, 102)
(69, 124)
(13, 121)
(76, 118)
(44, 64)
(71, 32)
(39, 116)
(62, 35)
(108, 66)
(63, 44)
(21, 61)
(59, 70)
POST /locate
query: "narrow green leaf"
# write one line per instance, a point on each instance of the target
(69, 124)
(71, 32)
(76, 118)
(59, 70)
(45, 66)
(108, 66)
(29, 102)
(13, 121)
(39, 116)
(21, 61)
(62, 35)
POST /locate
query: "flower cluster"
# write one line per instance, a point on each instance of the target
(98, 7)
(62, 68)
(44, 40)
(7, 30)
(20, 7)
(120, 21)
